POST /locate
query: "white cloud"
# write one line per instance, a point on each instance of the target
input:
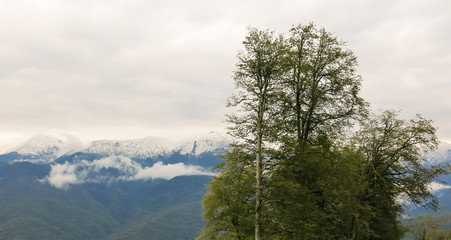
(113, 169)
(160, 170)
(63, 175)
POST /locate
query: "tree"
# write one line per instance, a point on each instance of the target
(318, 201)
(295, 158)
(258, 70)
(317, 101)
(393, 167)
(320, 88)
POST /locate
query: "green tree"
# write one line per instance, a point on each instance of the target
(295, 158)
(321, 86)
(318, 99)
(393, 152)
(258, 70)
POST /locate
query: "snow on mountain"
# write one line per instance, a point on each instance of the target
(442, 154)
(141, 148)
(45, 149)
(49, 146)
(156, 146)
(118, 160)
(212, 142)
(39, 145)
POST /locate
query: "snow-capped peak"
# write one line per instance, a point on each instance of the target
(45, 149)
(52, 147)
(37, 145)
(157, 146)
(142, 148)
(210, 142)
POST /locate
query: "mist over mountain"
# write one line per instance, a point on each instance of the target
(148, 188)
(106, 161)
(153, 209)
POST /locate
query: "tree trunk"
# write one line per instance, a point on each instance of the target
(258, 176)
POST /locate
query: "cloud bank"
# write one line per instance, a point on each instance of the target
(128, 69)
(113, 169)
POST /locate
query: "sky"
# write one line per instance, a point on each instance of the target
(124, 69)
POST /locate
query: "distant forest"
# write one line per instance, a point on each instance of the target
(310, 159)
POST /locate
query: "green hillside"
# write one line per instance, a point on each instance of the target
(30, 209)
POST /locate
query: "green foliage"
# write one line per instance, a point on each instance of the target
(393, 169)
(258, 70)
(329, 169)
(320, 87)
(229, 203)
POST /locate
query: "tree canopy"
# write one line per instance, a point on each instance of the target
(309, 161)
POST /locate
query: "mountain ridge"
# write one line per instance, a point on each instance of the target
(120, 210)
(46, 149)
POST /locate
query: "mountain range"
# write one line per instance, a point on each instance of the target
(45, 149)
(149, 188)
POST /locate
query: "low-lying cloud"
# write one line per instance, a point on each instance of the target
(113, 169)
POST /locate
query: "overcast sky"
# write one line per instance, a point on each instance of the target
(134, 68)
